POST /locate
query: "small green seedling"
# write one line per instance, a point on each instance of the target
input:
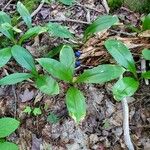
(36, 111)
(7, 127)
(52, 118)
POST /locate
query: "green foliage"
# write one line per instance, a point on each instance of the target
(146, 75)
(115, 4)
(125, 87)
(121, 54)
(52, 118)
(76, 105)
(15, 78)
(37, 111)
(23, 57)
(27, 110)
(32, 32)
(5, 55)
(67, 2)
(56, 69)
(8, 146)
(146, 54)
(146, 22)
(4, 18)
(58, 30)
(47, 85)
(8, 126)
(100, 74)
(100, 24)
(24, 14)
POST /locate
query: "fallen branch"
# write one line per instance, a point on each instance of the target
(126, 129)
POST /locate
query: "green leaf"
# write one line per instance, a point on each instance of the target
(5, 55)
(14, 78)
(125, 87)
(24, 14)
(8, 126)
(76, 105)
(37, 111)
(146, 23)
(100, 24)
(67, 57)
(5, 30)
(146, 75)
(54, 51)
(32, 32)
(58, 30)
(52, 118)
(23, 57)
(27, 110)
(47, 85)
(67, 2)
(121, 54)
(4, 18)
(8, 146)
(56, 69)
(146, 54)
(100, 74)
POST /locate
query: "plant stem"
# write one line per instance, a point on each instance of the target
(127, 137)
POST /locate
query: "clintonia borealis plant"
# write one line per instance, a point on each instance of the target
(64, 70)
(125, 86)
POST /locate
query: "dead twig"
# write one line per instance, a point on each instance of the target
(126, 129)
(69, 20)
(88, 7)
(7, 5)
(105, 5)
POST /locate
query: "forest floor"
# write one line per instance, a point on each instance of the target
(102, 127)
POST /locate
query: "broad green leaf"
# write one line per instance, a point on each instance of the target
(8, 126)
(24, 14)
(47, 85)
(100, 74)
(56, 69)
(23, 57)
(32, 32)
(76, 105)
(146, 54)
(4, 18)
(5, 55)
(54, 51)
(67, 2)
(146, 75)
(58, 30)
(5, 30)
(100, 24)
(125, 87)
(8, 146)
(146, 22)
(121, 54)
(67, 57)
(8, 26)
(14, 78)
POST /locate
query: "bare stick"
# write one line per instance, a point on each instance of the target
(105, 5)
(127, 137)
(7, 5)
(88, 7)
(69, 20)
